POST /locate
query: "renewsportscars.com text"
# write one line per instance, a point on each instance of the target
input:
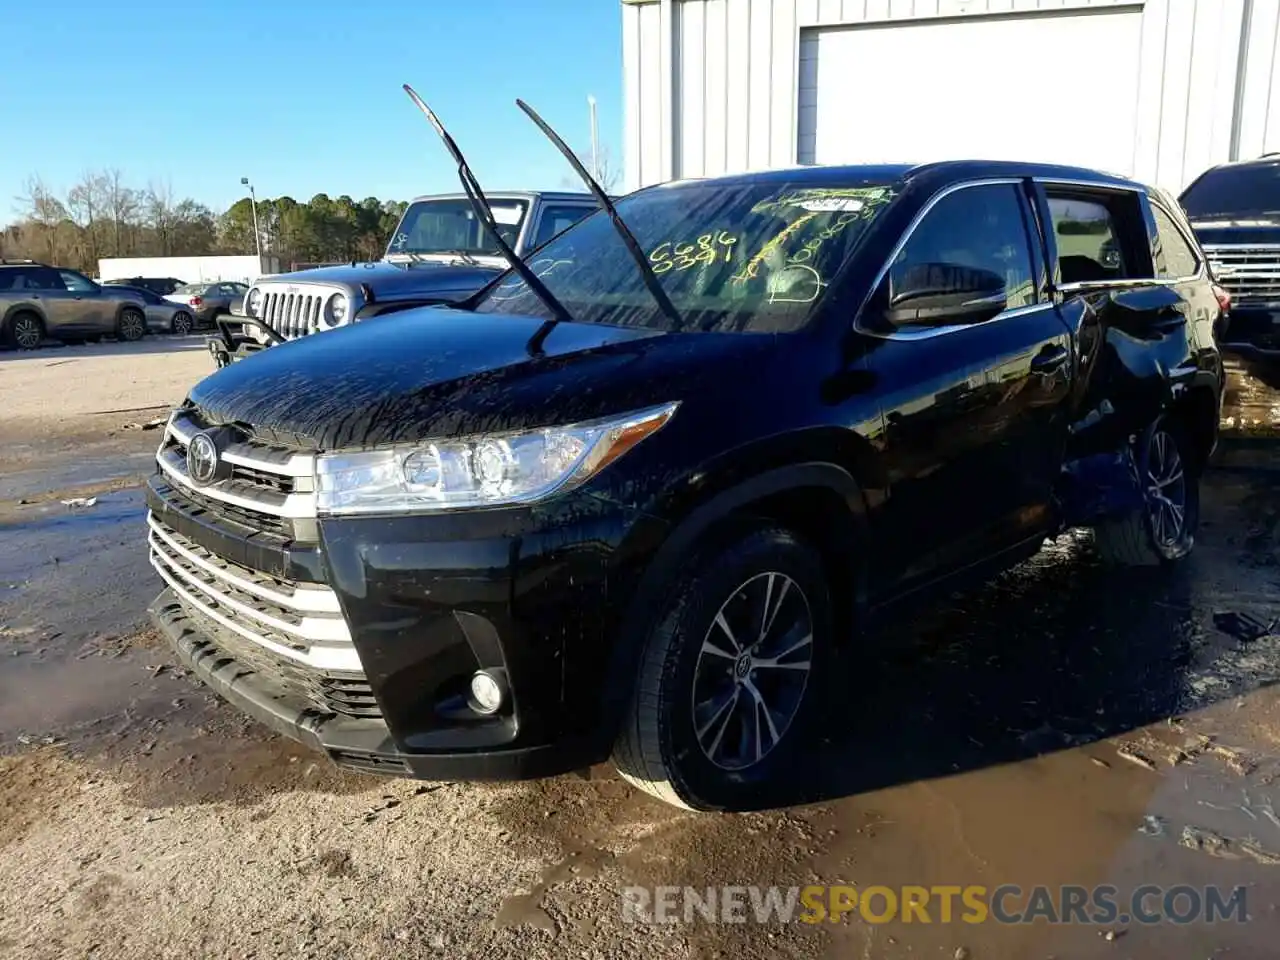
(1009, 904)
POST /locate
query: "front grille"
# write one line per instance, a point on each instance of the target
(293, 314)
(266, 488)
(1250, 273)
(292, 634)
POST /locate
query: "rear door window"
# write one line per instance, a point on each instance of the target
(1099, 239)
(1175, 259)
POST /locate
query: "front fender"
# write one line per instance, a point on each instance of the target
(664, 564)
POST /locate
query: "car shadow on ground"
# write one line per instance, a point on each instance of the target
(152, 343)
(1057, 653)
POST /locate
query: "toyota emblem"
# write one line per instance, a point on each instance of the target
(202, 459)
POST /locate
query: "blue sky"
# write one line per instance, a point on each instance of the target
(301, 96)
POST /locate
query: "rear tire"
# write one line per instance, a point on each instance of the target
(729, 672)
(131, 325)
(24, 331)
(182, 324)
(1163, 532)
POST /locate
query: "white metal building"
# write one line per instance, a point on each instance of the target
(1155, 89)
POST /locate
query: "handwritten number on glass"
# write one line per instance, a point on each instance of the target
(684, 256)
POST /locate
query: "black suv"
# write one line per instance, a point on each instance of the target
(1235, 212)
(161, 286)
(633, 505)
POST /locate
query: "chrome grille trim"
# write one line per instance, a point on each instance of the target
(296, 471)
(293, 506)
(297, 313)
(319, 642)
(182, 428)
(1249, 272)
(305, 599)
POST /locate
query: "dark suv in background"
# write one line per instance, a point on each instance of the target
(1235, 211)
(162, 286)
(634, 504)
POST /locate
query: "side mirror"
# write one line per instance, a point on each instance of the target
(937, 294)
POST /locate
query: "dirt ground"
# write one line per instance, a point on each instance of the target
(1061, 725)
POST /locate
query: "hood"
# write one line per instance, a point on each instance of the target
(395, 281)
(439, 372)
(1262, 230)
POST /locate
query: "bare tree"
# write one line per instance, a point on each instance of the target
(85, 204)
(609, 175)
(42, 209)
(158, 202)
(122, 204)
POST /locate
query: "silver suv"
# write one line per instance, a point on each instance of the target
(38, 301)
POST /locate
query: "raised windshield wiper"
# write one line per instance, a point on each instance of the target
(628, 238)
(479, 204)
(462, 255)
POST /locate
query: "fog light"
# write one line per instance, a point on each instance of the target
(487, 692)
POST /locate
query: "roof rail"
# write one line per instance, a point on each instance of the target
(34, 263)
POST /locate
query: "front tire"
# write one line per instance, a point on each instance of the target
(1163, 532)
(132, 325)
(729, 672)
(25, 331)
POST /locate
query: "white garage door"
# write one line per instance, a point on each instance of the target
(1060, 88)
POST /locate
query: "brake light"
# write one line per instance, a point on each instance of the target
(1224, 298)
(194, 302)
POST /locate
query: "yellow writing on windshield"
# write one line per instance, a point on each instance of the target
(752, 268)
(706, 250)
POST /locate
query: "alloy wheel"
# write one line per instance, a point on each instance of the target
(27, 333)
(752, 671)
(181, 323)
(1166, 490)
(132, 326)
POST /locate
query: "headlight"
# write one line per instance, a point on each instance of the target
(335, 310)
(253, 302)
(479, 471)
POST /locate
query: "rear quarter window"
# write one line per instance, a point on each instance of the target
(1175, 258)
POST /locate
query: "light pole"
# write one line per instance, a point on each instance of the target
(595, 138)
(257, 234)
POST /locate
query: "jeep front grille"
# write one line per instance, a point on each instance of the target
(292, 314)
(1250, 273)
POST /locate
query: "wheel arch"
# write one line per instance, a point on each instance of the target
(820, 501)
(23, 306)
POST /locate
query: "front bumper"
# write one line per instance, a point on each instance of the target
(1253, 332)
(362, 745)
(427, 600)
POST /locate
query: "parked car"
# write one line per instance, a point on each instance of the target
(158, 285)
(1235, 211)
(208, 301)
(38, 301)
(438, 253)
(636, 509)
(163, 316)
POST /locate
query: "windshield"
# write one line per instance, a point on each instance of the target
(450, 226)
(751, 257)
(1235, 192)
(192, 288)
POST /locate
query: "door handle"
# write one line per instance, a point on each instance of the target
(1049, 359)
